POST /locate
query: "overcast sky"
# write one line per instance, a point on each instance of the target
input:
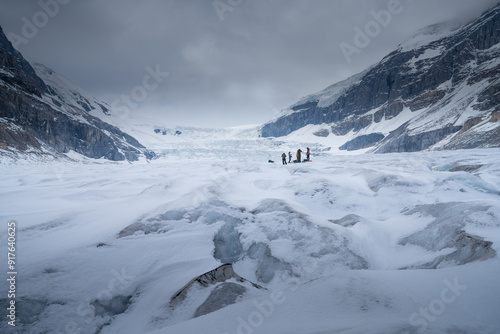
(229, 62)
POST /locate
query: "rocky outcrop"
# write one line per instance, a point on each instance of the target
(415, 84)
(363, 141)
(322, 133)
(16, 71)
(12, 137)
(400, 141)
(223, 293)
(34, 118)
(465, 168)
(222, 296)
(212, 277)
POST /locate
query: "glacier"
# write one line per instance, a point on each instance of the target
(348, 243)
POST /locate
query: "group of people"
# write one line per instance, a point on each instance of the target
(298, 155)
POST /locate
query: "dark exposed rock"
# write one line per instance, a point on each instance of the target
(362, 142)
(351, 124)
(218, 275)
(322, 133)
(18, 72)
(14, 137)
(400, 141)
(222, 296)
(466, 168)
(140, 227)
(348, 220)
(474, 139)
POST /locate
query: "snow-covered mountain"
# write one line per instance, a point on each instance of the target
(42, 113)
(158, 137)
(66, 91)
(439, 89)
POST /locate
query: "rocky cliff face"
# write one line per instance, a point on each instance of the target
(35, 117)
(444, 94)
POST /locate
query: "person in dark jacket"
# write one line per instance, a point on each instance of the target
(283, 158)
(299, 154)
(308, 153)
(289, 157)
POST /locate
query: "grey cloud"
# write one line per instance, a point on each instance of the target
(262, 57)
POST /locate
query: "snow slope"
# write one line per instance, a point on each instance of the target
(428, 35)
(69, 93)
(393, 243)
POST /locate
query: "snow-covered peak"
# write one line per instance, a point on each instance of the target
(428, 35)
(436, 32)
(329, 95)
(67, 91)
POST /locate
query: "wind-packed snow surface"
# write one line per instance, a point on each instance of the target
(395, 243)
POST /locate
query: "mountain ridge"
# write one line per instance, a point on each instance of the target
(443, 94)
(39, 118)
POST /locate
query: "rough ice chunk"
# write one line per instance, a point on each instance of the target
(213, 212)
(348, 220)
(142, 228)
(272, 205)
(446, 231)
(228, 248)
(157, 224)
(377, 181)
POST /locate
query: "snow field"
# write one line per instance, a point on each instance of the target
(341, 244)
